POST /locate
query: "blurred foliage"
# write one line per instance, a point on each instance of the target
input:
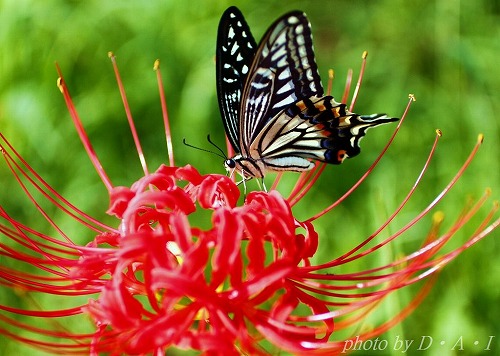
(444, 51)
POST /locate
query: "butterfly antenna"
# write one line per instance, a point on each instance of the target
(204, 149)
(218, 148)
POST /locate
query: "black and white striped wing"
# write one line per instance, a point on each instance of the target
(316, 128)
(235, 52)
(283, 72)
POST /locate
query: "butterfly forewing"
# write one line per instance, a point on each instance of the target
(235, 52)
(283, 71)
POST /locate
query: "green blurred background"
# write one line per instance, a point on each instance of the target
(445, 52)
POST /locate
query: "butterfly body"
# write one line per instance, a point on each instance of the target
(271, 100)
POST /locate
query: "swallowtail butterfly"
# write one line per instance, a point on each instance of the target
(271, 100)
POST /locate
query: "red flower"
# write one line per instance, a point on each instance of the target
(245, 285)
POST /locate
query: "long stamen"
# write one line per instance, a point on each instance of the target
(360, 80)
(10, 164)
(421, 264)
(424, 212)
(494, 209)
(347, 87)
(277, 180)
(46, 190)
(128, 113)
(305, 182)
(166, 122)
(81, 131)
(400, 207)
(370, 169)
(421, 260)
(346, 257)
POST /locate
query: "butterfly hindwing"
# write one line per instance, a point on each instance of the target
(316, 128)
(235, 52)
(283, 71)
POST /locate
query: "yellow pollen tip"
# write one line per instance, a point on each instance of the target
(438, 217)
(412, 97)
(364, 55)
(110, 54)
(60, 84)
(487, 191)
(439, 132)
(480, 138)
(331, 73)
(496, 204)
(156, 66)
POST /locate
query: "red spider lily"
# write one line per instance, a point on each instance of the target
(245, 285)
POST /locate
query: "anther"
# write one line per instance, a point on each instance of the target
(60, 84)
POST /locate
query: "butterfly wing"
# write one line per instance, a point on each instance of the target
(271, 99)
(235, 52)
(283, 72)
(315, 128)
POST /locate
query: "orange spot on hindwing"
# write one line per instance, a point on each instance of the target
(341, 155)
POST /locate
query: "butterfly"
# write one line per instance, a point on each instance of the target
(272, 103)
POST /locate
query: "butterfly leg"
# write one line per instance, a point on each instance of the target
(244, 188)
(262, 184)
